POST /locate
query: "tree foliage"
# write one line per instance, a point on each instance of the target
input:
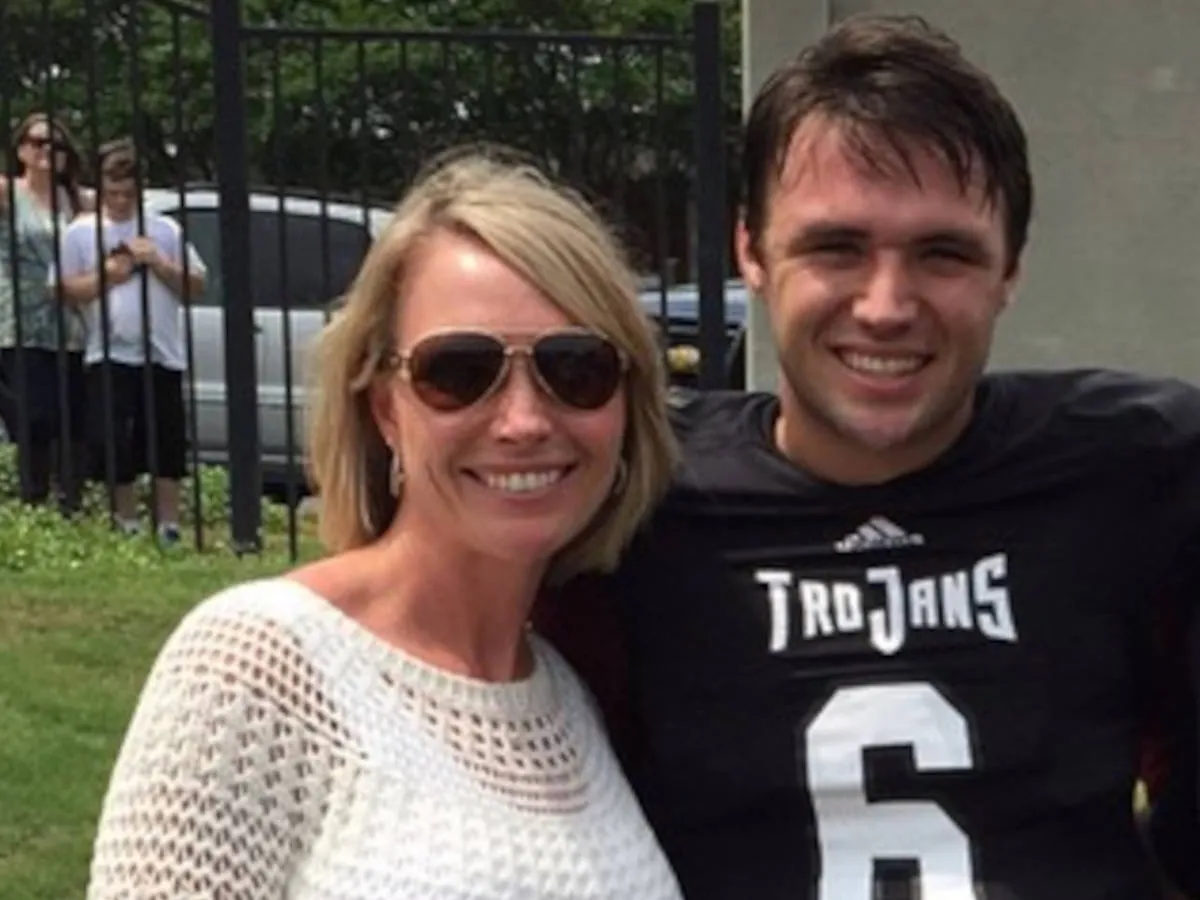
(356, 113)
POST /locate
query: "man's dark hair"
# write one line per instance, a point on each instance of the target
(898, 80)
(118, 160)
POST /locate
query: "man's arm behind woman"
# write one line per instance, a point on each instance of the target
(581, 619)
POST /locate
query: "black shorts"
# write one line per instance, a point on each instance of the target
(130, 424)
(51, 388)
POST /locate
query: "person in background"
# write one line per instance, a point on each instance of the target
(490, 413)
(147, 253)
(41, 343)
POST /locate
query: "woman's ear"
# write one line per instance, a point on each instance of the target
(381, 400)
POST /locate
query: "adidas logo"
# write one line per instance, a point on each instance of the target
(877, 533)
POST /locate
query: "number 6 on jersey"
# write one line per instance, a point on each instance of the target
(853, 833)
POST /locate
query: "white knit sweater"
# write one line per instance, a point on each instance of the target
(279, 749)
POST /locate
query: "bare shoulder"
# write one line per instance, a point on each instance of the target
(348, 581)
(329, 578)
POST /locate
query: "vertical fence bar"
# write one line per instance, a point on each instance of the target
(400, 117)
(365, 118)
(179, 139)
(488, 107)
(576, 137)
(710, 191)
(451, 88)
(661, 162)
(55, 467)
(103, 366)
(241, 382)
(278, 119)
(323, 186)
(556, 156)
(149, 392)
(60, 469)
(10, 406)
(619, 159)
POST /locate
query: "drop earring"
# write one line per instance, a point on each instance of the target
(395, 475)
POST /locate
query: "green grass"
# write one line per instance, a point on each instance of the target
(82, 614)
(76, 646)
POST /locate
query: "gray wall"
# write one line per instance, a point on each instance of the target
(1109, 91)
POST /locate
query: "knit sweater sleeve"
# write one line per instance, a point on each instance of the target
(220, 783)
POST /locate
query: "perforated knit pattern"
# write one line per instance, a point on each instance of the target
(281, 750)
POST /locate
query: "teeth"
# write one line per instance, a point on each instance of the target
(882, 365)
(518, 482)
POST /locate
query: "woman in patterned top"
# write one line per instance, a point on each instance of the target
(36, 204)
(382, 723)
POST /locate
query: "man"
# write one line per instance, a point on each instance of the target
(144, 348)
(904, 630)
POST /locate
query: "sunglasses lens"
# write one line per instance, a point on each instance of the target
(452, 371)
(582, 370)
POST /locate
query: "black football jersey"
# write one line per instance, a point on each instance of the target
(933, 689)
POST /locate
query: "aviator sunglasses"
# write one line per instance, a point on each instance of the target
(451, 370)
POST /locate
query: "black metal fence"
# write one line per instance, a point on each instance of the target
(278, 151)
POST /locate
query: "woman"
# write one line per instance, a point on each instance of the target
(382, 724)
(36, 385)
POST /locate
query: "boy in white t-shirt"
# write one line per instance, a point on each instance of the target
(153, 254)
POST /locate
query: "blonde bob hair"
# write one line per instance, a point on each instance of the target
(546, 233)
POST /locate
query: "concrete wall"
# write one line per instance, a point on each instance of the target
(1109, 91)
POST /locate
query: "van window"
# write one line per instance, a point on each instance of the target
(313, 265)
(321, 262)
